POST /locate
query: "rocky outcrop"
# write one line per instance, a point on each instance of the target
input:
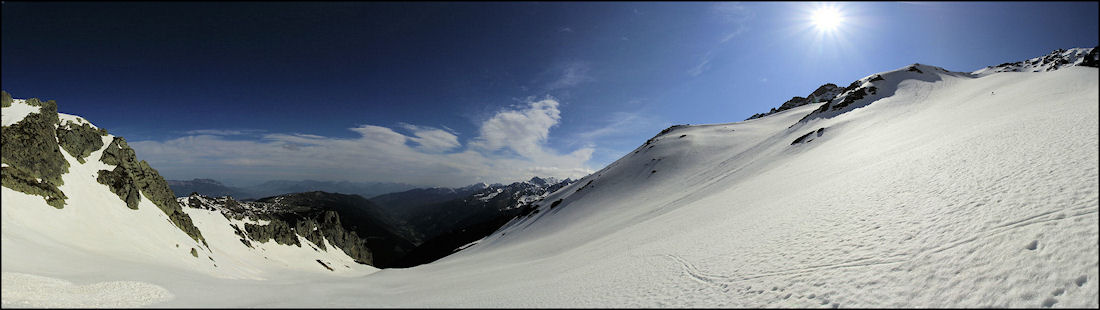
(344, 221)
(80, 140)
(33, 159)
(1058, 59)
(810, 136)
(1092, 59)
(823, 93)
(131, 176)
(5, 99)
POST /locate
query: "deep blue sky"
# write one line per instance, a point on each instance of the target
(215, 89)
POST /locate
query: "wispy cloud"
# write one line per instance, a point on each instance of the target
(703, 65)
(224, 132)
(736, 16)
(565, 29)
(570, 75)
(431, 139)
(510, 146)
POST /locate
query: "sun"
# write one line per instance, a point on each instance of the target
(826, 19)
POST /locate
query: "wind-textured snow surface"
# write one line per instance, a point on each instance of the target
(952, 191)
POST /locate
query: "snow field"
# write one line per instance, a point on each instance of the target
(953, 192)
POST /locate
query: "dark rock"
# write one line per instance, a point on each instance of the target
(80, 141)
(34, 158)
(149, 182)
(122, 184)
(5, 99)
(1092, 59)
(324, 265)
(809, 136)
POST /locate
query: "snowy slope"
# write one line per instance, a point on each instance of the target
(940, 189)
(45, 250)
(939, 195)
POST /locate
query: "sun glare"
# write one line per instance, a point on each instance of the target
(826, 19)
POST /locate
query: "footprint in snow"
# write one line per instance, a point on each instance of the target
(1050, 301)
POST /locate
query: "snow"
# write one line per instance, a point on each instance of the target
(489, 196)
(39, 291)
(96, 252)
(1072, 57)
(939, 195)
(18, 110)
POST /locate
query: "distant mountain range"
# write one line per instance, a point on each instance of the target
(213, 188)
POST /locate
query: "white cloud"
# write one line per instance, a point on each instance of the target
(428, 156)
(432, 139)
(523, 131)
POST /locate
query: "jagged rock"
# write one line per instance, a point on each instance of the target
(1092, 59)
(122, 184)
(277, 230)
(823, 90)
(150, 183)
(806, 138)
(5, 99)
(823, 93)
(21, 181)
(34, 159)
(80, 141)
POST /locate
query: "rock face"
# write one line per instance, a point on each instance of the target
(1092, 59)
(32, 156)
(80, 140)
(131, 176)
(348, 222)
(823, 93)
(5, 99)
(34, 164)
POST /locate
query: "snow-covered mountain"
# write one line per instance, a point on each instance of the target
(350, 223)
(1061, 58)
(77, 204)
(915, 187)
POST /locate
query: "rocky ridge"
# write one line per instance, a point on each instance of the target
(33, 160)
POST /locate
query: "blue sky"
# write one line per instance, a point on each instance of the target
(457, 93)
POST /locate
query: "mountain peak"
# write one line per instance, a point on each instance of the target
(1059, 58)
